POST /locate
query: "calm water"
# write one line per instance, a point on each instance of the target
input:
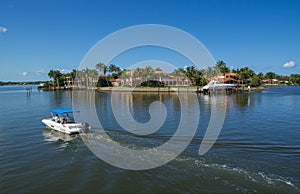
(258, 150)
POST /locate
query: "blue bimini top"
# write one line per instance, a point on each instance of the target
(63, 111)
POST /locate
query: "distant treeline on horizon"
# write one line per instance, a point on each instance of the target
(197, 77)
(21, 83)
(106, 74)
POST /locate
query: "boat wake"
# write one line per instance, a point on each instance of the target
(55, 136)
(255, 177)
(226, 175)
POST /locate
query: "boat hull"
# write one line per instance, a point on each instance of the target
(215, 85)
(68, 128)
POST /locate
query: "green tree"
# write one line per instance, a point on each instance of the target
(255, 82)
(246, 74)
(80, 78)
(148, 73)
(295, 79)
(55, 75)
(270, 75)
(73, 74)
(102, 68)
(210, 73)
(192, 74)
(52, 75)
(125, 75)
(158, 75)
(138, 72)
(115, 70)
(91, 77)
(202, 82)
(222, 66)
(103, 82)
(260, 75)
(178, 74)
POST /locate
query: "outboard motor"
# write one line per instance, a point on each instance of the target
(85, 128)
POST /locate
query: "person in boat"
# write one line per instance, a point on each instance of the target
(68, 118)
(64, 120)
(56, 118)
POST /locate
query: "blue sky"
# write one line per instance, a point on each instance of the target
(36, 36)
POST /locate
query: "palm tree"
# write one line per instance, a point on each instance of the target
(115, 70)
(183, 72)
(90, 76)
(260, 75)
(52, 74)
(238, 75)
(223, 68)
(124, 75)
(158, 75)
(80, 78)
(56, 75)
(270, 75)
(246, 75)
(138, 74)
(102, 67)
(178, 74)
(211, 72)
(191, 73)
(73, 76)
(148, 73)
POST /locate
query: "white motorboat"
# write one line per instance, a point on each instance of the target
(216, 85)
(40, 86)
(62, 120)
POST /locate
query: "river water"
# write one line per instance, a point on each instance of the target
(257, 151)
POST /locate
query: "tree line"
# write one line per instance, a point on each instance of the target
(21, 83)
(197, 77)
(244, 76)
(85, 76)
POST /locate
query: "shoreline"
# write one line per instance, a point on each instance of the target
(170, 89)
(148, 89)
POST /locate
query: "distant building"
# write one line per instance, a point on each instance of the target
(68, 82)
(134, 78)
(270, 81)
(228, 78)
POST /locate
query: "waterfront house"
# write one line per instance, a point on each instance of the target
(139, 75)
(270, 81)
(228, 78)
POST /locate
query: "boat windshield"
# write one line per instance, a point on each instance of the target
(63, 115)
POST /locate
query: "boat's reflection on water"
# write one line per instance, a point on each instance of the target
(55, 136)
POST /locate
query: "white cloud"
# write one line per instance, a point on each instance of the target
(24, 74)
(64, 70)
(3, 29)
(290, 64)
(40, 72)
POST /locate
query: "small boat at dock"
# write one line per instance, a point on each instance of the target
(216, 85)
(40, 86)
(62, 120)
